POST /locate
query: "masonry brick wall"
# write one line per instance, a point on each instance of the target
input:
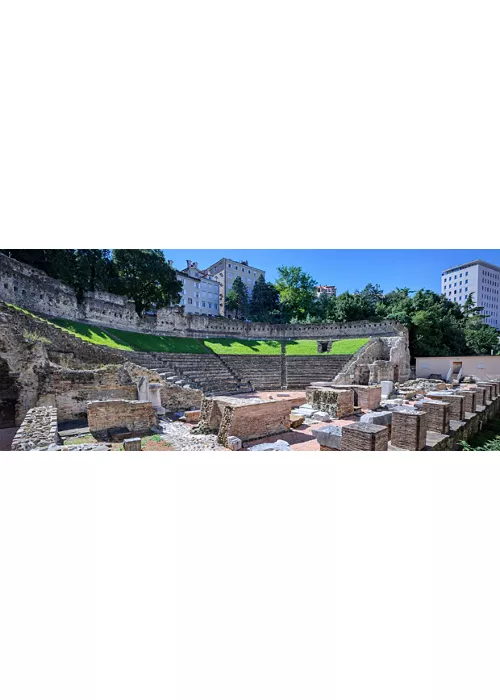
(138, 417)
(409, 430)
(364, 437)
(254, 421)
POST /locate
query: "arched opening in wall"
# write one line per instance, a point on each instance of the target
(8, 396)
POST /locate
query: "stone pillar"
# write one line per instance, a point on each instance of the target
(480, 396)
(155, 398)
(469, 400)
(387, 387)
(132, 445)
(438, 416)
(409, 430)
(364, 437)
(142, 389)
(456, 401)
(489, 389)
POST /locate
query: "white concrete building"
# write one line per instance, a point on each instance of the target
(200, 291)
(479, 278)
(225, 271)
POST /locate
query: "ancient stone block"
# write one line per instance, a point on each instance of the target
(252, 421)
(365, 397)
(132, 445)
(233, 443)
(469, 400)
(456, 401)
(409, 430)
(387, 388)
(321, 416)
(192, 416)
(278, 446)
(378, 418)
(488, 388)
(296, 420)
(364, 437)
(336, 402)
(117, 418)
(438, 415)
(330, 436)
(381, 370)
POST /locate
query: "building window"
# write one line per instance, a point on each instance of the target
(203, 303)
(229, 264)
(190, 301)
(209, 305)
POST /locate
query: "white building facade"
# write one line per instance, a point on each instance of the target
(225, 271)
(479, 278)
(200, 291)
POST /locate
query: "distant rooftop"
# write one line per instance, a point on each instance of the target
(470, 264)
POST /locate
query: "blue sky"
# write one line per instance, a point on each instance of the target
(349, 269)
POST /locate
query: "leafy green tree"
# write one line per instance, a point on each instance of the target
(56, 262)
(237, 299)
(349, 307)
(482, 339)
(264, 304)
(297, 292)
(147, 278)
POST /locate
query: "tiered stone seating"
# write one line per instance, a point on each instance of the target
(303, 370)
(261, 371)
(205, 372)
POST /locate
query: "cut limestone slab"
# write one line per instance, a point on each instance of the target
(321, 416)
(329, 436)
(233, 443)
(278, 446)
(387, 388)
(296, 420)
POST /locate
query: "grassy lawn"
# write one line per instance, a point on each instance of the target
(128, 340)
(310, 347)
(230, 346)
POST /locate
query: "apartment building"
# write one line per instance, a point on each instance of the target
(479, 278)
(200, 291)
(327, 289)
(225, 271)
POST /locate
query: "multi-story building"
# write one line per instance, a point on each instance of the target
(327, 289)
(225, 271)
(200, 291)
(479, 278)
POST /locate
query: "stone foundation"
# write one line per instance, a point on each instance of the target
(38, 429)
(253, 421)
(120, 419)
(336, 402)
(456, 402)
(438, 415)
(365, 437)
(409, 430)
(469, 400)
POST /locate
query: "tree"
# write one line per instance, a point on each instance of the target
(56, 262)
(482, 339)
(237, 299)
(297, 292)
(147, 278)
(94, 271)
(264, 304)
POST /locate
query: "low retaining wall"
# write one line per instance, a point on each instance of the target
(467, 429)
(132, 417)
(38, 429)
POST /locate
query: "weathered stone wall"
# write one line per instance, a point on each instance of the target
(32, 289)
(137, 417)
(71, 390)
(8, 396)
(38, 429)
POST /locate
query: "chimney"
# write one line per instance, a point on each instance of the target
(171, 263)
(188, 263)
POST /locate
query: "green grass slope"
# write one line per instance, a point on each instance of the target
(348, 346)
(144, 342)
(231, 346)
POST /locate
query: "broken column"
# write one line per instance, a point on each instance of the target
(379, 418)
(329, 437)
(409, 430)
(155, 398)
(364, 437)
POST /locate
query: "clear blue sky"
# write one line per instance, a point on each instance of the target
(349, 269)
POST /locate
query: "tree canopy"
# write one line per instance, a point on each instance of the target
(237, 299)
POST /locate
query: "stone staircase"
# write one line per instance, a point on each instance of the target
(261, 372)
(207, 372)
